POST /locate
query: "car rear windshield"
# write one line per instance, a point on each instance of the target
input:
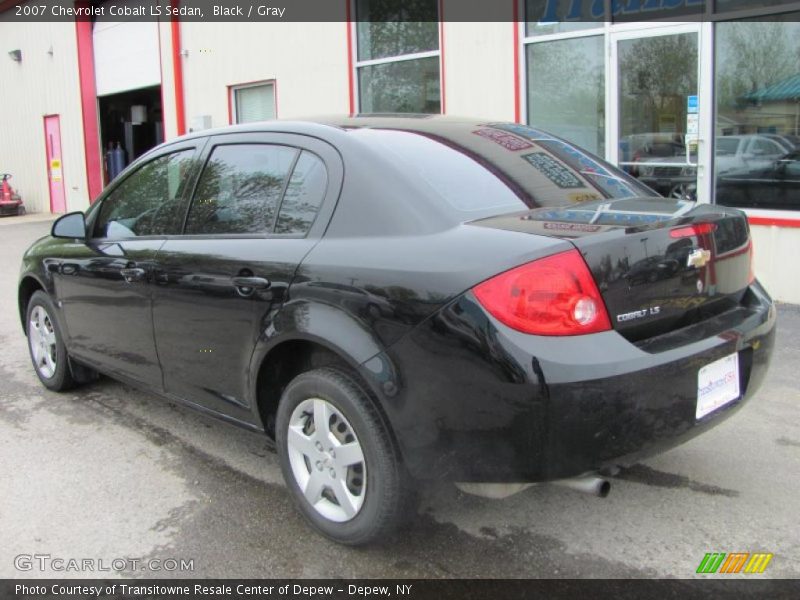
(486, 169)
(454, 176)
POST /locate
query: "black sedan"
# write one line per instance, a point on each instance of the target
(395, 299)
(776, 186)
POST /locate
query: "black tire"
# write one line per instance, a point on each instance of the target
(61, 378)
(389, 493)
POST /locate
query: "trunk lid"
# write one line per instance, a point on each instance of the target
(660, 264)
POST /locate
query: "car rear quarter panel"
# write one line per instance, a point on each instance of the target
(478, 401)
(392, 284)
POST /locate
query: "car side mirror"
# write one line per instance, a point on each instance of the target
(71, 226)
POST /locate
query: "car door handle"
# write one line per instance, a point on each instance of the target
(133, 274)
(249, 284)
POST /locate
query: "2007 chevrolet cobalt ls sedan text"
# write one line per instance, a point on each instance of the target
(393, 299)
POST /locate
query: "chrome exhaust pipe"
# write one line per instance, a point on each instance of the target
(588, 484)
(591, 484)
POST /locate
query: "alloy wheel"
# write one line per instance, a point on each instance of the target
(327, 460)
(42, 340)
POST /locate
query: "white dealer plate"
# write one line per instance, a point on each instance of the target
(717, 385)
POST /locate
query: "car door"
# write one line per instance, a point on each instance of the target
(771, 187)
(255, 213)
(103, 284)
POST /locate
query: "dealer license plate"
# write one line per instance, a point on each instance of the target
(717, 385)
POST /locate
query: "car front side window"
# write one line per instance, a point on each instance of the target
(147, 202)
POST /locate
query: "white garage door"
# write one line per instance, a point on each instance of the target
(125, 56)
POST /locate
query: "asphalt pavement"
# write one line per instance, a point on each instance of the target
(108, 472)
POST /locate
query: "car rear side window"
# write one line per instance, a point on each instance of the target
(240, 189)
(303, 195)
(147, 202)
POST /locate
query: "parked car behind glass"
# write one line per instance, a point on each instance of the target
(751, 151)
(774, 186)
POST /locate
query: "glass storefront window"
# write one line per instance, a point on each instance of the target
(391, 28)
(398, 56)
(566, 90)
(757, 129)
(657, 76)
(409, 86)
(553, 16)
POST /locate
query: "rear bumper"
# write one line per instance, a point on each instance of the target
(477, 401)
(618, 420)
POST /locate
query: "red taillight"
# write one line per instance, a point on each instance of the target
(555, 295)
(693, 230)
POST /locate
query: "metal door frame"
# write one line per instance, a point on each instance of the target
(704, 32)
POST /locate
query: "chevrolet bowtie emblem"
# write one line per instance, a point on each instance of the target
(699, 258)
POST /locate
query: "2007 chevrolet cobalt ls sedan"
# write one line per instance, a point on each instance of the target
(394, 299)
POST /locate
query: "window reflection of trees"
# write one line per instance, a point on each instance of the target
(303, 195)
(566, 90)
(658, 74)
(753, 55)
(410, 86)
(235, 199)
(758, 102)
(394, 28)
(296, 213)
(148, 201)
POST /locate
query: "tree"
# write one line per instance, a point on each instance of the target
(752, 56)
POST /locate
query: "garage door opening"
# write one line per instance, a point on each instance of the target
(131, 123)
(128, 82)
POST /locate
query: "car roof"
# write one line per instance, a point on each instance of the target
(319, 124)
(400, 186)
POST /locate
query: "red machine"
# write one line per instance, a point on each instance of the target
(10, 202)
